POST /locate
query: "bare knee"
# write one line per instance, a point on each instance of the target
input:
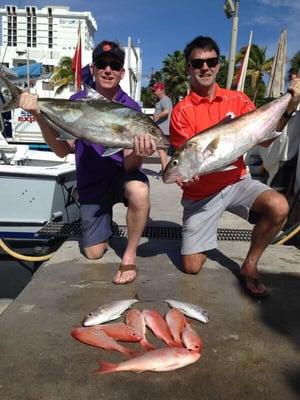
(96, 251)
(137, 194)
(273, 206)
(278, 209)
(192, 263)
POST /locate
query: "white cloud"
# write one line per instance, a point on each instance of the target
(281, 3)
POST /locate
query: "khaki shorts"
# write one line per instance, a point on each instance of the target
(201, 217)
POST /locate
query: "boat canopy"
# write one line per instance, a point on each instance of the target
(34, 70)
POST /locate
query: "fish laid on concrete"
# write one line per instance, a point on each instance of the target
(94, 119)
(160, 360)
(108, 312)
(95, 337)
(155, 321)
(176, 322)
(191, 339)
(120, 331)
(135, 319)
(216, 148)
(190, 310)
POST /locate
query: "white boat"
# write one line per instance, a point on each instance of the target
(37, 187)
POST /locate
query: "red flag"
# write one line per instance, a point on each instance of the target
(76, 62)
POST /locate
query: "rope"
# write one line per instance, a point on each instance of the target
(22, 256)
(289, 236)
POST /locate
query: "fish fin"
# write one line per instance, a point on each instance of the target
(92, 94)
(212, 147)
(65, 136)
(271, 135)
(226, 119)
(227, 168)
(117, 128)
(146, 345)
(111, 151)
(131, 353)
(105, 367)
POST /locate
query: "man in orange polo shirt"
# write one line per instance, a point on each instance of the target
(206, 197)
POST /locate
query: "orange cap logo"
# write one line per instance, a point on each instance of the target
(106, 47)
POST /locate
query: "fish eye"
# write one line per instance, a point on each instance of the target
(175, 163)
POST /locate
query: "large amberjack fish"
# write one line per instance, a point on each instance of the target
(94, 119)
(190, 310)
(160, 360)
(216, 148)
(108, 312)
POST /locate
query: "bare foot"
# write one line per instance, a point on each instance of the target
(126, 274)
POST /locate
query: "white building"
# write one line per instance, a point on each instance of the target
(44, 35)
(30, 35)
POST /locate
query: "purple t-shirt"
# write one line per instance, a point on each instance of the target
(95, 173)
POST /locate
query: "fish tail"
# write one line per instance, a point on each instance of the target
(105, 367)
(146, 345)
(15, 93)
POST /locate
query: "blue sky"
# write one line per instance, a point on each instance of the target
(163, 26)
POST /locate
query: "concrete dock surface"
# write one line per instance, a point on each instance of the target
(250, 347)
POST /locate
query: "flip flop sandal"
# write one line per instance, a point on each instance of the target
(244, 280)
(126, 267)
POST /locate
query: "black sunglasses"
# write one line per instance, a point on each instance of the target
(114, 65)
(199, 62)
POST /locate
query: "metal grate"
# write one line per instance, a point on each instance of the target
(60, 230)
(72, 230)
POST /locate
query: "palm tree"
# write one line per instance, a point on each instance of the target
(295, 64)
(63, 74)
(258, 65)
(222, 74)
(174, 74)
(156, 76)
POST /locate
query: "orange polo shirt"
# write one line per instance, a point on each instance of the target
(194, 114)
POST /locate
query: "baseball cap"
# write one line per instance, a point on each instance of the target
(158, 85)
(110, 48)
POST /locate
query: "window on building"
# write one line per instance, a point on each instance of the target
(50, 29)
(48, 85)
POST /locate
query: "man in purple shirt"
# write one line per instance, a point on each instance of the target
(105, 181)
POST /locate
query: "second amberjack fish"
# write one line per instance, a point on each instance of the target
(108, 312)
(190, 310)
(217, 148)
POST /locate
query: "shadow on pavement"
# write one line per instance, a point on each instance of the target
(280, 311)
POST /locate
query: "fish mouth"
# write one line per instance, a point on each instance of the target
(168, 177)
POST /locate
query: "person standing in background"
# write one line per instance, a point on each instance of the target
(161, 116)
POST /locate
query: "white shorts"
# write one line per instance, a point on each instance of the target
(201, 217)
